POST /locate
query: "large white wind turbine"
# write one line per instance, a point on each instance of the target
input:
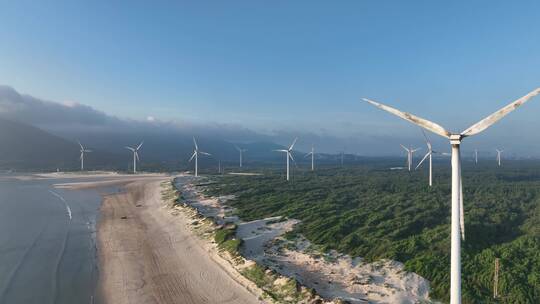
(289, 154)
(195, 155)
(457, 195)
(83, 150)
(499, 152)
(312, 153)
(429, 154)
(135, 155)
(241, 151)
(410, 152)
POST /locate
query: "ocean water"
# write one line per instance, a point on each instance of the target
(48, 250)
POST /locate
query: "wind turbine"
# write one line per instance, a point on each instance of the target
(499, 152)
(196, 153)
(135, 155)
(83, 150)
(476, 156)
(289, 154)
(410, 152)
(312, 153)
(457, 224)
(429, 154)
(241, 151)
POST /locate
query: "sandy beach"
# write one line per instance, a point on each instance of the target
(147, 254)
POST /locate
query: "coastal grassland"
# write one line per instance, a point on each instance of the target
(277, 288)
(376, 213)
(225, 238)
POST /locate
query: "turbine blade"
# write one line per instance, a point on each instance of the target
(204, 153)
(294, 142)
(131, 149)
(423, 159)
(292, 158)
(406, 149)
(493, 118)
(424, 123)
(195, 142)
(425, 136)
(88, 151)
(280, 150)
(428, 143)
(192, 156)
(140, 145)
(82, 148)
(137, 156)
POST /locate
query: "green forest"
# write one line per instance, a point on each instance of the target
(370, 211)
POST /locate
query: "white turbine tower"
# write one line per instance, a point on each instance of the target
(195, 155)
(241, 151)
(312, 153)
(476, 156)
(499, 152)
(457, 195)
(410, 152)
(135, 155)
(289, 155)
(429, 154)
(83, 150)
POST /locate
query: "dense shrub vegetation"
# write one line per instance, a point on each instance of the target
(375, 213)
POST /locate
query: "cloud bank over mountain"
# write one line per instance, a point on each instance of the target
(72, 118)
(76, 121)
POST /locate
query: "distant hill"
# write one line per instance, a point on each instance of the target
(173, 150)
(24, 147)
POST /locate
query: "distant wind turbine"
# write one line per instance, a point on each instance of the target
(135, 155)
(476, 156)
(312, 153)
(410, 152)
(429, 154)
(195, 155)
(241, 151)
(289, 154)
(83, 150)
(499, 152)
(457, 192)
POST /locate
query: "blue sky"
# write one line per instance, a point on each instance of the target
(279, 65)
